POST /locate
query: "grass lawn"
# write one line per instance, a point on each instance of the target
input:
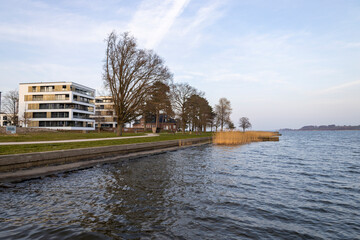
(52, 136)
(28, 148)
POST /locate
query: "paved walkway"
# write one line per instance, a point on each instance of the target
(78, 140)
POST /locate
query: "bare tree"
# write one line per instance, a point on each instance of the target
(11, 106)
(129, 72)
(180, 93)
(212, 119)
(26, 118)
(216, 122)
(98, 120)
(223, 111)
(244, 123)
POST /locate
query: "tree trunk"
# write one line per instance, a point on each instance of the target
(183, 126)
(119, 129)
(157, 119)
(144, 117)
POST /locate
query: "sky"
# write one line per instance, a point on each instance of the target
(281, 63)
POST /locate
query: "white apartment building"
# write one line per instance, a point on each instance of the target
(4, 120)
(104, 112)
(56, 105)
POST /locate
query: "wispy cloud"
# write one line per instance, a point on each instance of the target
(41, 23)
(154, 18)
(339, 87)
(225, 76)
(27, 72)
(190, 30)
(43, 34)
(205, 16)
(352, 45)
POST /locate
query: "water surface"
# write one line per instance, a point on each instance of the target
(307, 186)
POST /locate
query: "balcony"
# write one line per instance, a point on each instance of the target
(81, 116)
(62, 97)
(84, 92)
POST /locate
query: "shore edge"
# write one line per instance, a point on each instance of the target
(20, 167)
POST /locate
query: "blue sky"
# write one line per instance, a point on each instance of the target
(282, 63)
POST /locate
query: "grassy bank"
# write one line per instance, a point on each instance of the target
(53, 136)
(237, 137)
(28, 148)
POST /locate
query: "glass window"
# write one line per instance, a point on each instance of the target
(39, 115)
(59, 115)
(37, 97)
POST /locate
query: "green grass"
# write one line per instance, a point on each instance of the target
(53, 136)
(28, 148)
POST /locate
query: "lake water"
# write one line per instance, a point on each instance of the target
(307, 186)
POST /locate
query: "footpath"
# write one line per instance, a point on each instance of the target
(78, 140)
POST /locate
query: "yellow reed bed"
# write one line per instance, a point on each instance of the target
(237, 137)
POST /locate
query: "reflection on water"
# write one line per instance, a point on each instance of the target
(305, 186)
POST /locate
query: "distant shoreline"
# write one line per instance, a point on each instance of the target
(301, 130)
(324, 128)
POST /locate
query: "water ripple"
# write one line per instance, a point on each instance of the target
(307, 186)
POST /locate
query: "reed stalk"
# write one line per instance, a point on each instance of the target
(237, 137)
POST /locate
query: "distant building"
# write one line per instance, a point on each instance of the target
(104, 112)
(165, 123)
(56, 105)
(4, 120)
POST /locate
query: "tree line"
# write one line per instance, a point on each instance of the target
(142, 86)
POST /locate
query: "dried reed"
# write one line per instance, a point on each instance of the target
(237, 137)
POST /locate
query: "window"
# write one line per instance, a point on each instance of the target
(33, 89)
(51, 124)
(59, 115)
(39, 115)
(4, 118)
(81, 115)
(37, 97)
(47, 88)
(62, 97)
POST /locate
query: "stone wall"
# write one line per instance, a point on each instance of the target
(23, 130)
(15, 162)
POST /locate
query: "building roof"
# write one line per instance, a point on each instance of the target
(57, 82)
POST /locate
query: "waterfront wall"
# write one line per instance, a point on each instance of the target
(16, 162)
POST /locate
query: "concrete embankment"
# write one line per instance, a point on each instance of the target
(18, 167)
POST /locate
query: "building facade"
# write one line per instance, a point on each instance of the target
(105, 116)
(165, 123)
(56, 105)
(4, 120)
